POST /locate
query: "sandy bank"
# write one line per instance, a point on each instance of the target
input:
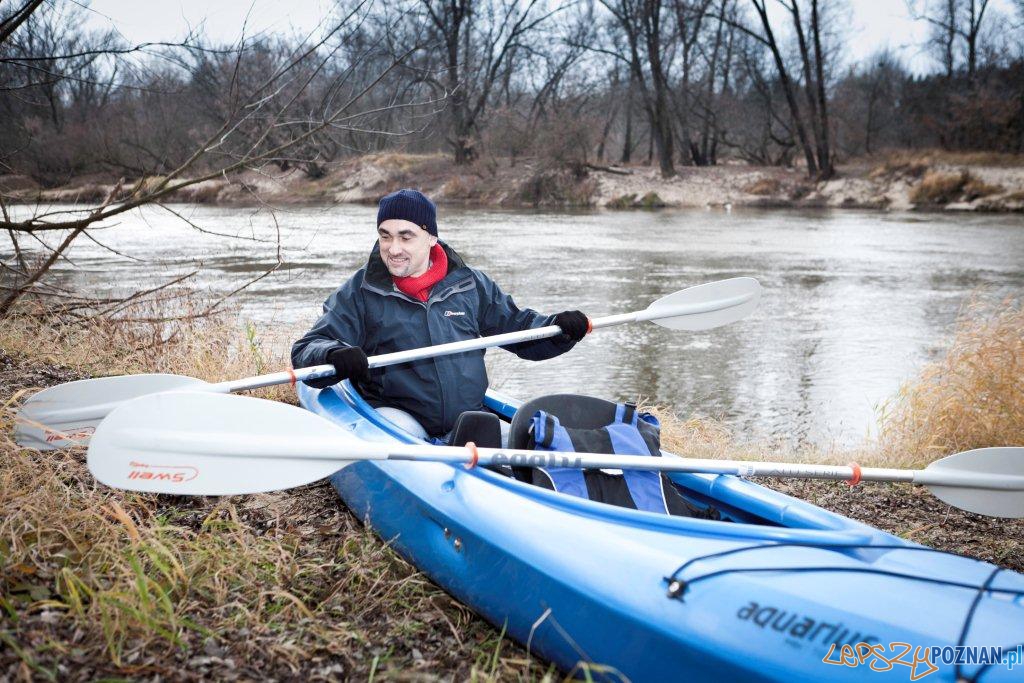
(900, 182)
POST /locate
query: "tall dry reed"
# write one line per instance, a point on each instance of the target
(971, 397)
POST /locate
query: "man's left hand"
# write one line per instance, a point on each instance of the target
(574, 324)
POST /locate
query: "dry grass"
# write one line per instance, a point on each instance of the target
(206, 192)
(556, 188)
(98, 583)
(764, 187)
(901, 164)
(625, 201)
(975, 188)
(972, 397)
(401, 161)
(920, 160)
(463, 188)
(651, 200)
(705, 437)
(938, 187)
(209, 348)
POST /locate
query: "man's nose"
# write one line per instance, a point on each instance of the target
(395, 249)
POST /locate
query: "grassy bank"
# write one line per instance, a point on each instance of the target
(100, 583)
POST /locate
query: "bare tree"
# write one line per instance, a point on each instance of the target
(641, 23)
(478, 42)
(717, 77)
(757, 127)
(867, 105)
(689, 19)
(815, 145)
(952, 22)
(262, 107)
(10, 23)
(768, 39)
(627, 142)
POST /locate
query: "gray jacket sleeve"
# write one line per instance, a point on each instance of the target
(499, 314)
(340, 325)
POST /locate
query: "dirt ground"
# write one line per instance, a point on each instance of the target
(912, 513)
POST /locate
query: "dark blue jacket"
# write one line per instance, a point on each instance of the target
(368, 311)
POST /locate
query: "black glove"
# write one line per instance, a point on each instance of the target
(349, 363)
(574, 324)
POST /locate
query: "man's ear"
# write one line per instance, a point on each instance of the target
(433, 240)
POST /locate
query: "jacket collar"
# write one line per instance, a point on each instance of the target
(377, 274)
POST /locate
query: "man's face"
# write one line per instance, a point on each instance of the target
(404, 247)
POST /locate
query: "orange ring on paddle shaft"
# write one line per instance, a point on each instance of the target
(590, 326)
(475, 453)
(291, 375)
(856, 475)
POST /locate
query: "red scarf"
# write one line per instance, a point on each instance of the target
(419, 287)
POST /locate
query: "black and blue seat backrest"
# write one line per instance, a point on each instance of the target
(568, 422)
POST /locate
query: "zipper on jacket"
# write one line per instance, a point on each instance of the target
(456, 288)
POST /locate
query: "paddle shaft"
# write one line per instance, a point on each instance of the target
(385, 359)
(315, 447)
(590, 461)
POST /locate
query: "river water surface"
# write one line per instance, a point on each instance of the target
(854, 302)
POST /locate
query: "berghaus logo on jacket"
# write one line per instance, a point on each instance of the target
(449, 314)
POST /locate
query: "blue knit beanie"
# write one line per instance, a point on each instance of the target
(409, 205)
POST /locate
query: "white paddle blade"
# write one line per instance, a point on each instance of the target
(67, 414)
(213, 444)
(996, 463)
(705, 306)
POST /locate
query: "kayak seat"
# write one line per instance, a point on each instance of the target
(577, 412)
(483, 429)
(573, 410)
(478, 426)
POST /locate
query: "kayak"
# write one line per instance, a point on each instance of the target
(777, 589)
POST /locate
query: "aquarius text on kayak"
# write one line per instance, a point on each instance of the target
(794, 626)
(171, 473)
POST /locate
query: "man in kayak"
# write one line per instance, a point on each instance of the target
(416, 291)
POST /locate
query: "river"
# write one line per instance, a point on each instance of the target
(854, 303)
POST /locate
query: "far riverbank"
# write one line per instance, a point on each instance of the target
(923, 181)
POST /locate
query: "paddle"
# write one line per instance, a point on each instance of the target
(208, 444)
(68, 413)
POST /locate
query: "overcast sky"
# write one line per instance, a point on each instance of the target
(874, 24)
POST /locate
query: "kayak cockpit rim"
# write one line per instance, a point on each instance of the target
(777, 517)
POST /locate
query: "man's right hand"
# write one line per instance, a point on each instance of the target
(350, 363)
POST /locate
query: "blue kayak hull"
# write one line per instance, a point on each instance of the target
(586, 585)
